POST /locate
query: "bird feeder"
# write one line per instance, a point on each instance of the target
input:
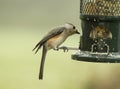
(100, 23)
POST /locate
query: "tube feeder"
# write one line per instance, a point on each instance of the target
(100, 23)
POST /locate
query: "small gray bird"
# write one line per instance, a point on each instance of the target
(53, 40)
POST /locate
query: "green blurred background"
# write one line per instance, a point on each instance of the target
(22, 24)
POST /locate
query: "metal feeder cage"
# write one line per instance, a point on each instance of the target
(100, 23)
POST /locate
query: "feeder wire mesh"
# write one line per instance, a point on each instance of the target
(100, 7)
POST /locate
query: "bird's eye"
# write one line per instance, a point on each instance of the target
(73, 27)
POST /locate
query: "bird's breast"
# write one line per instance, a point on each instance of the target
(56, 41)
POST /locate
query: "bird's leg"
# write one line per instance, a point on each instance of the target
(65, 49)
(56, 49)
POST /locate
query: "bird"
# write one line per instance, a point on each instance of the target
(100, 32)
(53, 40)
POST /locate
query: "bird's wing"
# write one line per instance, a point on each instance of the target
(51, 34)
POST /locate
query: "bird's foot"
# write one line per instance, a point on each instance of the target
(56, 49)
(65, 49)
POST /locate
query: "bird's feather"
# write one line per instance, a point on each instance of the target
(42, 62)
(52, 33)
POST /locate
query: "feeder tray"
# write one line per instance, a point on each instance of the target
(100, 23)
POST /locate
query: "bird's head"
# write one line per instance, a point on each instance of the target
(71, 29)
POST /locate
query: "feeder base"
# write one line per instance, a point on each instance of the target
(96, 57)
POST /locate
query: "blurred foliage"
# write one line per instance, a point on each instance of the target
(22, 24)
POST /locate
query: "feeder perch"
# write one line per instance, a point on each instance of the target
(100, 23)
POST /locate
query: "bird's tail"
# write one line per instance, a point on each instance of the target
(37, 47)
(42, 62)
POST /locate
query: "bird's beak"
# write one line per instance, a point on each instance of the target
(77, 32)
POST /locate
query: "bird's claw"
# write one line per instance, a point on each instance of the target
(65, 49)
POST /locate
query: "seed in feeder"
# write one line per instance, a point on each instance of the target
(96, 41)
(104, 42)
(101, 48)
(113, 49)
(95, 47)
(101, 39)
